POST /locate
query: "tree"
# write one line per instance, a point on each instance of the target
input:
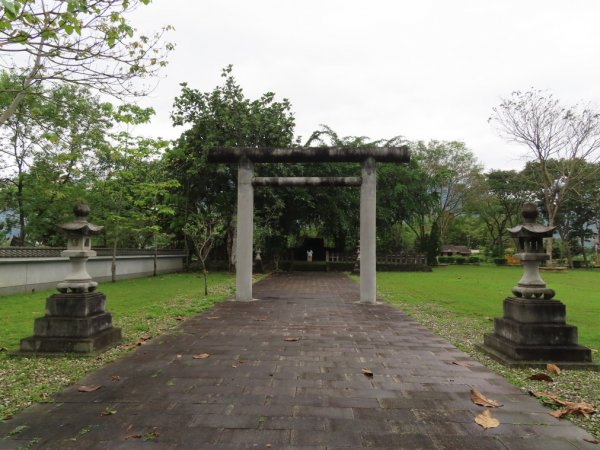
(451, 169)
(496, 198)
(560, 139)
(224, 117)
(84, 42)
(203, 229)
(46, 146)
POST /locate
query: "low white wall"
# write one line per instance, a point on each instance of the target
(31, 274)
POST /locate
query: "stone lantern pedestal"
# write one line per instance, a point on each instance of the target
(75, 319)
(533, 330)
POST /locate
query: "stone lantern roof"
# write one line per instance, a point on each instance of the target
(530, 227)
(81, 226)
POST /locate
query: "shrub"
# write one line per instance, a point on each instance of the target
(474, 259)
(500, 261)
(460, 260)
(443, 259)
(451, 259)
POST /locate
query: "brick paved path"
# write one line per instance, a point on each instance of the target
(257, 390)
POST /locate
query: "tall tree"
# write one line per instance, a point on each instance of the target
(223, 117)
(496, 198)
(84, 42)
(451, 169)
(559, 140)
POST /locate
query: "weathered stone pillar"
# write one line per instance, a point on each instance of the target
(245, 228)
(368, 257)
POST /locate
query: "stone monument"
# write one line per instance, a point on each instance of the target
(75, 319)
(533, 331)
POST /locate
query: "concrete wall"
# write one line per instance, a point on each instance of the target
(29, 274)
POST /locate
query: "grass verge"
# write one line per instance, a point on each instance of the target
(458, 303)
(142, 306)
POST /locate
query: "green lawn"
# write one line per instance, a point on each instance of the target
(478, 291)
(139, 306)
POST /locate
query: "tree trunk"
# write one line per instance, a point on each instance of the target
(113, 265)
(585, 260)
(205, 280)
(154, 271)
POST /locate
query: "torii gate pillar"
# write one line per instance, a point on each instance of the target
(368, 256)
(245, 230)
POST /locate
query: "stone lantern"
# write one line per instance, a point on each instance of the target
(75, 319)
(530, 243)
(533, 330)
(79, 249)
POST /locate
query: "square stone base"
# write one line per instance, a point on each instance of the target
(534, 332)
(82, 345)
(536, 364)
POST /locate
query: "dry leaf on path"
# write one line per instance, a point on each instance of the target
(541, 377)
(108, 412)
(595, 441)
(88, 388)
(291, 339)
(201, 356)
(553, 368)
(212, 318)
(582, 409)
(179, 318)
(367, 373)
(115, 378)
(178, 355)
(260, 319)
(486, 420)
(479, 399)
(462, 363)
(145, 337)
(133, 436)
(548, 398)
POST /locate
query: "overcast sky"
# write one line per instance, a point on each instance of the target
(421, 69)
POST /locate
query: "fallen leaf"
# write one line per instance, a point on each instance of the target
(541, 377)
(260, 320)
(178, 355)
(108, 412)
(133, 436)
(201, 356)
(179, 318)
(367, 373)
(8, 417)
(581, 409)
(553, 368)
(548, 398)
(145, 337)
(479, 399)
(88, 388)
(595, 441)
(212, 318)
(486, 420)
(291, 339)
(462, 363)
(130, 427)
(115, 378)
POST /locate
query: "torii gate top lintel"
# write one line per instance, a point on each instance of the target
(309, 154)
(367, 156)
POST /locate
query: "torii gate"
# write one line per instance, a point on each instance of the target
(247, 157)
